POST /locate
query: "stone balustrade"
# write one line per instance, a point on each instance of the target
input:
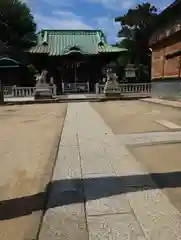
(139, 88)
(13, 91)
(23, 91)
(126, 88)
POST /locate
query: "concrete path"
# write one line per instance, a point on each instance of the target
(100, 191)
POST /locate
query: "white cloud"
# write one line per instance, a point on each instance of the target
(29, 2)
(69, 20)
(60, 16)
(51, 3)
(60, 3)
(117, 5)
(109, 27)
(60, 20)
(65, 14)
(122, 5)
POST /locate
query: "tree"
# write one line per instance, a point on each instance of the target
(136, 28)
(17, 25)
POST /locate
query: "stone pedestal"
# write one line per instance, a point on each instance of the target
(111, 86)
(43, 91)
(111, 89)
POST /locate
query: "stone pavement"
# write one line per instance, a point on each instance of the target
(18, 99)
(100, 191)
(164, 102)
(148, 138)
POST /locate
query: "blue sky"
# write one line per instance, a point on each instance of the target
(83, 14)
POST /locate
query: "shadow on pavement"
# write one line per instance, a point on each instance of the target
(68, 191)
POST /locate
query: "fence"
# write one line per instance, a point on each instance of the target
(125, 89)
(12, 91)
(138, 88)
(75, 87)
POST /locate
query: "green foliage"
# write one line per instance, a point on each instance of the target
(142, 72)
(31, 70)
(30, 75)
(140, 17)
(17, 25)
(136, 28)
(130, 55)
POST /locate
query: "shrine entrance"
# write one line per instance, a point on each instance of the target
(75, 77)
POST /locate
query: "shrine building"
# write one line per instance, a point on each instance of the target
(73, 56)
(165, 44)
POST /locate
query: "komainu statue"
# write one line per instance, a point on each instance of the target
(111, 86)
(43, 89)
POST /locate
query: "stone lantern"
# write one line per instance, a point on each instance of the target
(130, 72)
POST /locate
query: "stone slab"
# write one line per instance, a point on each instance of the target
(94, 159)
(19, 99)
(169, 124)
(104, 195)
(69, 134)
(123, 162)
(77, 96)
(68, 163)
(157, 216)
(152, 208)
(117, 227)
(66, 222)
(164, 102)
(148, 138)
(69, 138)
(109, 215)
(65, 215)
(94, 131)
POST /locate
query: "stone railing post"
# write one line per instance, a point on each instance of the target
(88, 89)
(97, 88)
(63, 87)
(54, 90)
(13, 91)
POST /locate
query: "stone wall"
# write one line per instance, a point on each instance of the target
(169, 88)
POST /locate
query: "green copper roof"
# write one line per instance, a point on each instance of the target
(64, 42)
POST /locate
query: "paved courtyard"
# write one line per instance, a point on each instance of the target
(117, 174)
(114, 178)
(29, 137)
